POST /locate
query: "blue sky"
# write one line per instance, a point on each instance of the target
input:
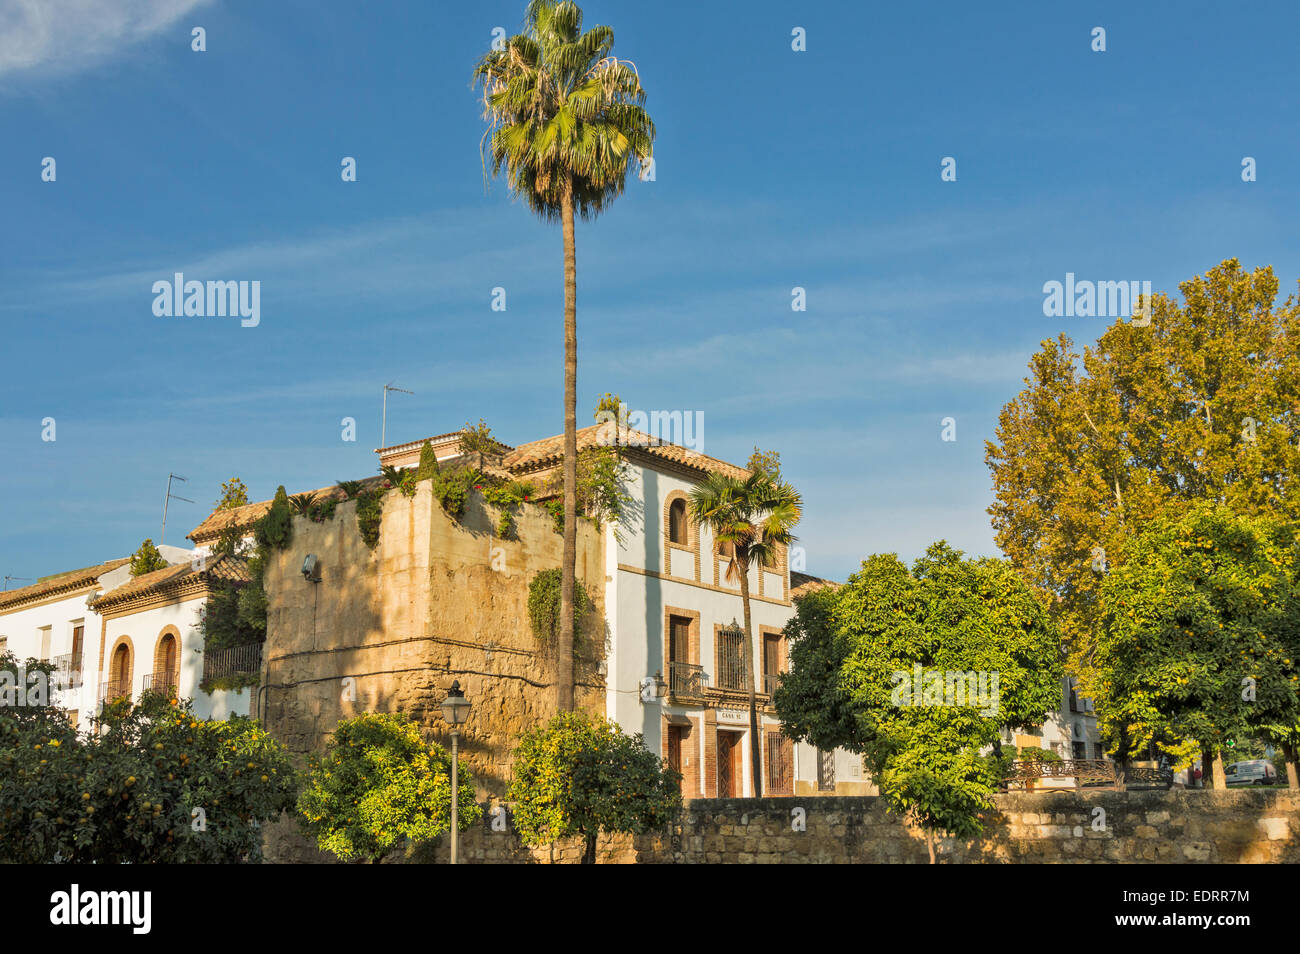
(774, 169)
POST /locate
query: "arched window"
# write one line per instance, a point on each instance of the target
(166, 663)
(119, 682)
(678, 531)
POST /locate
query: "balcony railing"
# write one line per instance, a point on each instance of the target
(732, 672)
(237, 660)
(111, 690)
(685, 680)
(770, 681)
(165, 682)
(68, 668)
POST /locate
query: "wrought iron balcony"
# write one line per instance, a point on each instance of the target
(110, 690)
(68, 668)
(685, 681)
(165, 682)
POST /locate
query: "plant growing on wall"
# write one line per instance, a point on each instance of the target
(544, 607)
(350, 488)
(379, 786)
(370, 513)
(146, 559)
(301, 504)
(275, 529)
(580, 776)
(509, 496)
(428, 462)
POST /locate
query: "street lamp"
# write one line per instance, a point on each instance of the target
(455, 710)
(653, 688)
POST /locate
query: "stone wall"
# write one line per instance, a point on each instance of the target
(1174, 827)
(388, 630)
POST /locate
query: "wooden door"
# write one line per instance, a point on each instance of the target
(729, 765)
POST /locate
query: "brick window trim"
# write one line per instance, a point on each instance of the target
(693, 643)
(692, 534)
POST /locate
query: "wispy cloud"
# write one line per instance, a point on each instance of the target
(67, 36)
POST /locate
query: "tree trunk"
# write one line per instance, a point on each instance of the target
(1292, 775)
(1207, 760)
(1220, 778)
(564, 654)
(755, 745)
(589, 854)
(929, 844)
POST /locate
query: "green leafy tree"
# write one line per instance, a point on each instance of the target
(379, 786)
(1199, 639)
(567, 126)
(900, 666)
(146, 559)
(275, 530)
(233, 494)
(154, 785)
(755, 516)
(767, 463)
(1200, 403)
(580, 775)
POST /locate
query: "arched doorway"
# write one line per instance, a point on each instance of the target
(166, 669)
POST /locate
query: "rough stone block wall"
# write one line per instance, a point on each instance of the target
(1175, 827)
(388, 630)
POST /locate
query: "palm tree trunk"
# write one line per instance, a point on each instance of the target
(1292, 776)
(564, 660)
(755, 747)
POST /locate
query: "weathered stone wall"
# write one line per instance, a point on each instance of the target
(1177, 827)
(388, 630)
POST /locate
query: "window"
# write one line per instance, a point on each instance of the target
(677, 526)
(780, 765)
(1078, 750)
(74, 660)
(679, 639)
(771, 661)
(825, 770)
(731, 661)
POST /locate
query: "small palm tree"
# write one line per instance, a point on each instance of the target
(566, 123)
(755, 515)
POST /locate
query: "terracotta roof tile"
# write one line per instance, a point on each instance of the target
(243, 518)
(63, 582)
(538, 454)
(224, 569)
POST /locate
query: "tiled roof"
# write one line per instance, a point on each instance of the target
(802, 583)
(538, 454)
(224, 569)
(62, 583)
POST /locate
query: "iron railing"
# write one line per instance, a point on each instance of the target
(68, 666)
(685, 680)
(732, 671)
(111, 690)
(770, 681)
(236, 660)
(162, 681)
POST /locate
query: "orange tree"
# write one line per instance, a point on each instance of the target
(155, 784)
(379, 786)
(1199, 643)
(580, 775)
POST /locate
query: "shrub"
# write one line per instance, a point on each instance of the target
(147, 559)
(580, 775)
(377, 786)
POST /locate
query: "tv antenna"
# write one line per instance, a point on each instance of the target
(383, 423)
(168, 499)
(23, 579)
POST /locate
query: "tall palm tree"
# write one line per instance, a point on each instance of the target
(756, 515)
(566, 123)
